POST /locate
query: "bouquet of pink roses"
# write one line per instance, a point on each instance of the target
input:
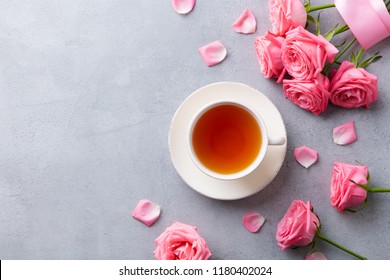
(302, 60)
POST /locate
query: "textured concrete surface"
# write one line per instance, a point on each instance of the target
(87, 93)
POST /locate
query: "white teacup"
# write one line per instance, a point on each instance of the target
(228, 140)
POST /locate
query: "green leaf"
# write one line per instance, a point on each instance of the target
(311, 19)
(370, 60)
(318, 25)
(329, 35)
(376, 58)
(307, 5)
(352, 58)
(359, 55)
(342, 29)
(340, 45)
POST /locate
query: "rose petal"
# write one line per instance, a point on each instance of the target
(316, 256)
(183, 6)
(305, 156)
(213, 53)
(246, 23)
(253, 221)
(146, 212)
(344, 134)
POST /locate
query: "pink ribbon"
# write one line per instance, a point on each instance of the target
(368, 20)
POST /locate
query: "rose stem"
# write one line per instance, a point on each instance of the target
(370, 189)
(319, 235)
(326, 69)
(322, 7)
(345, 49)
(378, 190)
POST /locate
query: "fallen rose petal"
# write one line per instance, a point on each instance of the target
(305, 156)
(253, 221)
(213, 53)
(344, 134)
(183, 6)
(316, 256)
(146, 212)
(246, 23)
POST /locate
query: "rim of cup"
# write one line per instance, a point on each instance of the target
(251, 167)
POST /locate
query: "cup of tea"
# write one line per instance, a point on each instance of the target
(228, 140)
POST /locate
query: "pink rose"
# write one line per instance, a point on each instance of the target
(312, 95)
(286, 15)
(298, 227)
(181, 242)
(343, 193)
(269, 55)
(304, 54)
(352, 87)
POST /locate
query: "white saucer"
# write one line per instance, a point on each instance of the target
(224, 189)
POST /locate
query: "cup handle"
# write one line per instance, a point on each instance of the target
(276, 141)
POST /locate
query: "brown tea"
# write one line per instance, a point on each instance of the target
(226, 139)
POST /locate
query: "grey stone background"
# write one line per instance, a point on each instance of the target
(87, 93)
